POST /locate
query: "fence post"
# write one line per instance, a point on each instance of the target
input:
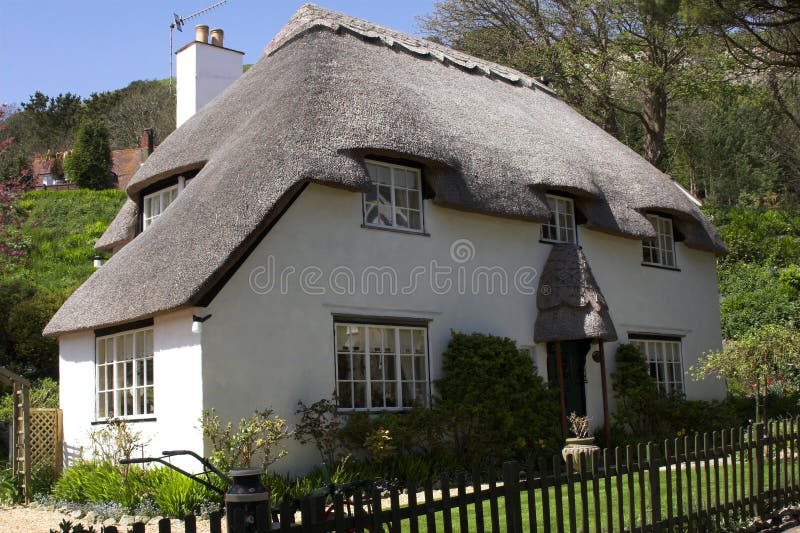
(655, 485)
(759, 428)
(512, 498)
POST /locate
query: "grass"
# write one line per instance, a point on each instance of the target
(714, 475)
(62, 227)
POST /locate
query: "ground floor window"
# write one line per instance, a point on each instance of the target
(664, 361)
(124, 380)
(380, 367)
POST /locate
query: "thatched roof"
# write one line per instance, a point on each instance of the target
(571, 305)
(121, 230)
(331, 89)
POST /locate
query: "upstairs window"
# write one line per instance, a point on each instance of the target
(561, 226)
(381, 367)
(395, 199)
(660, 250)
(664, 361)
(157, 203)
(124, 364)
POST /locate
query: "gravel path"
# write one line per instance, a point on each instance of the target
(35, 518)
(39, 519)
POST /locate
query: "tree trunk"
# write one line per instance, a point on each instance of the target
(654, 121)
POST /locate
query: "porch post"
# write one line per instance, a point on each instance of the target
(603, 381)
(560, 373)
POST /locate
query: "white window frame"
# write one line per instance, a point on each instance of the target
(664, 358)
(121, 358)
(561, 226)
(661, 248)
(396, 192)
(415, 382)
(164, 198)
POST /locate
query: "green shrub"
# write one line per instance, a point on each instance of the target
(44, 394)
(643, 413)
(175, 495)
(9, 486)
(88, 482)
(495, 405)
(257, 437)
(320, 424)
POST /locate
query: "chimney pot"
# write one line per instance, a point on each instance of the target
(201, 33)
(148, 141)
(216, 37)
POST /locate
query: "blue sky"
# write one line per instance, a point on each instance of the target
(85, 46)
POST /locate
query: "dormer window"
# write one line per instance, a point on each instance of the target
(660, 250)
(395, 199)
(157, 203)
(561, 226)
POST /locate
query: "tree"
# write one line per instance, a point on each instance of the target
(89, 163)
(607, 57)
(766, 359)
(13, 245)
(764, 37)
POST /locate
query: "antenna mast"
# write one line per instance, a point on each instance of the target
(178, 23)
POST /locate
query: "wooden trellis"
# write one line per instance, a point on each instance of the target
(20, 426)
(46, 439)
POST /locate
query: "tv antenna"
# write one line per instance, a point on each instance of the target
(178, 24)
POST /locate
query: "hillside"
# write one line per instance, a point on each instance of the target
(60, 229)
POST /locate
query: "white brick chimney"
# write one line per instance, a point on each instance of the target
(204, 70)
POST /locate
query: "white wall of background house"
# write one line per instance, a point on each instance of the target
(275, 349)
(177, 388)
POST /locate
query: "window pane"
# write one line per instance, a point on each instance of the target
(419, 368)
(391, 395)
(359, 395)
(359, 367)
(344, 367)
(150, 402)
(377, 395)
(406, 370)
(388, 340)
(408, 394)
(357, 339)
(415, 200)
(390, 368)
(419, 341)
(415, 220)
(375, 340)
(405, 341)
(376, 367)
(149, 371)
(346, 395)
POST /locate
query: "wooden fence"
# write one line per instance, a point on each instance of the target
(698, 483)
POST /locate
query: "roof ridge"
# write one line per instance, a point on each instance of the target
(310, 16)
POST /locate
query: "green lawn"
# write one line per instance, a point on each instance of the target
(714, 475)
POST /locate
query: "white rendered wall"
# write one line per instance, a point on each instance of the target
(203, 71)
(265, 348)
(178, 389)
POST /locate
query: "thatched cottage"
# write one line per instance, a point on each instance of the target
(326, 221)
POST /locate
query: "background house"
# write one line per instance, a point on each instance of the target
(335, 212)
(48, 173)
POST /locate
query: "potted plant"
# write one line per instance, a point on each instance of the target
(579, 445)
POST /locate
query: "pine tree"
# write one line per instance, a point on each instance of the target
(89, 164)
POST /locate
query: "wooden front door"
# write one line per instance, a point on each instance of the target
(573, 365)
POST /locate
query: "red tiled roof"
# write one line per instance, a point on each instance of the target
(125, 163)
